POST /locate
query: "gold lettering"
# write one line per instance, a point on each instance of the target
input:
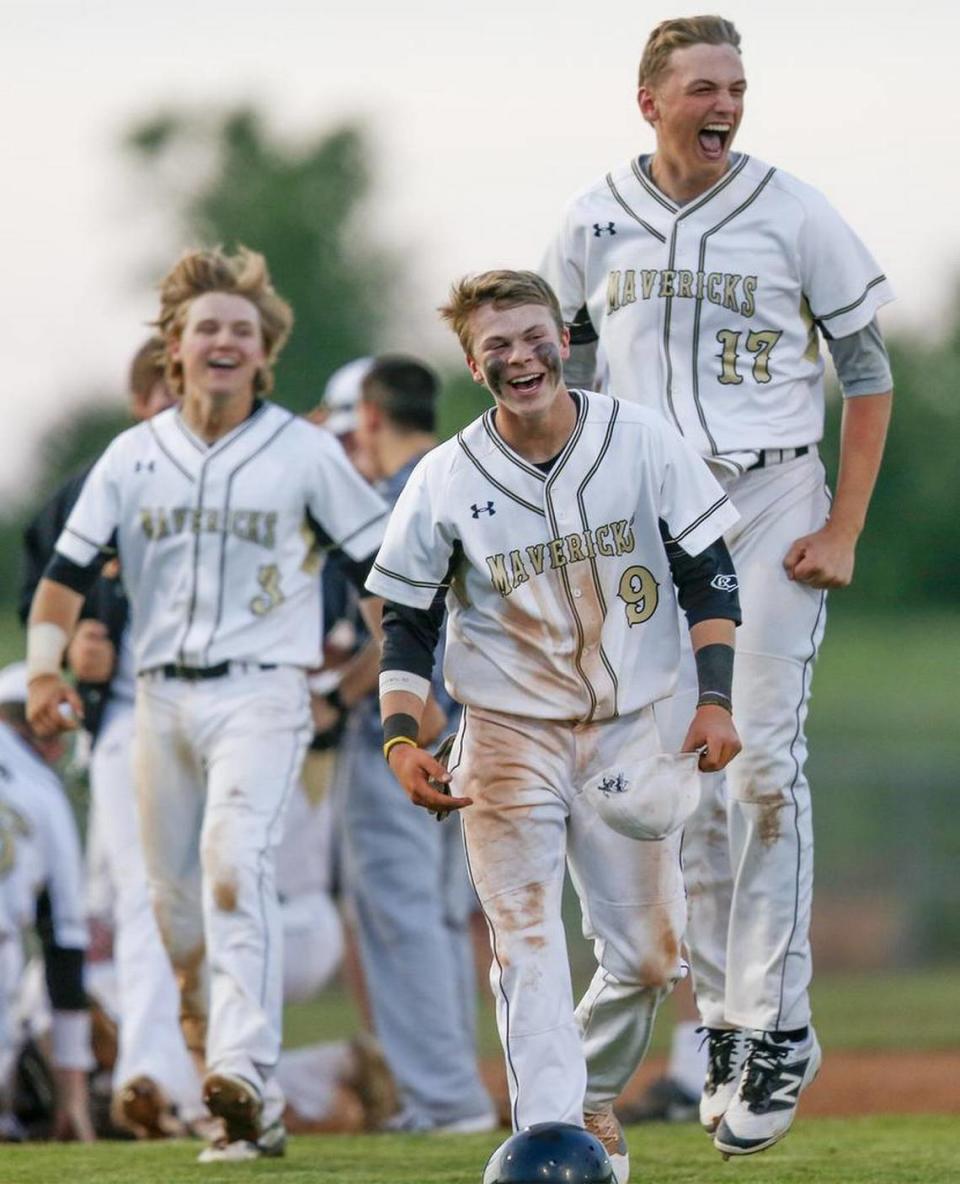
(640, 593)
(574, 549)
(517, 570)
(647, 279)
(270, 530)
(730, 292)
(714, 280)
(749, 306)
(146, 522)
(557, 557)
(498, 574)
(537, 553)
(685, 284)
(629, 287)
(613, 291)
(601, 534)
(667, 282)
(623, 539)
(179, 514)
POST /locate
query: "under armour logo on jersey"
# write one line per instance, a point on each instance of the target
(617, 784)
(144, 466)
(487, 509)
(725, 583)
(608, 229)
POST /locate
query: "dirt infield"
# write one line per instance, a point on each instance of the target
(851, 1083)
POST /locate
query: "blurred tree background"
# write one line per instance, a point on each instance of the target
(883, 751)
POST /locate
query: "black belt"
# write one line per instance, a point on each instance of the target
(201, 673)
(777, 456)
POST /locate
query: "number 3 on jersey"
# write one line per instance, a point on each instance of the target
(640, 593)
(268, 577)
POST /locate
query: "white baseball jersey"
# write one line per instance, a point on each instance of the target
(709, 311)
(218, 543)
(39, 843)
(561, 603)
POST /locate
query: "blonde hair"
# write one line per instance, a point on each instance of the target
(678, 34)
(241, 274)
(147, 367)
(502, 289)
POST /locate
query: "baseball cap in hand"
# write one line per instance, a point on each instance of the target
(648, 800)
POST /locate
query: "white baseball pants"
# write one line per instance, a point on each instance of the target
(528, 817)
(147, 1001)
(216, 762)
(748, 852)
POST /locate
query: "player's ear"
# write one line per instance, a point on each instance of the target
(647, 102)
(565, 343)
(474, 369)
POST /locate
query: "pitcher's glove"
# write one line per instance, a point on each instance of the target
(442, 755)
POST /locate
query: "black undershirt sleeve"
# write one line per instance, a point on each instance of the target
(356, 571)
(706, 583)
(410, 636)
(81, 579)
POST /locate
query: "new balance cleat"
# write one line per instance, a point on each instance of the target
(775, 1073)
(725, 1054)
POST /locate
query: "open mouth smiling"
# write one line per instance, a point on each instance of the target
(713, 139)
(526, 384)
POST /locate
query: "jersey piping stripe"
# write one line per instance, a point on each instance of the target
(564, 574)
(699, 521)
(360, 529)
(217, 448)
(495, 483)
(712, 193)
(793, 793)
(101, 548)
(196, 567)
(654, 192)
(695, 369)
(850, 307)
(394, 575)
(168, 454)
(223, 534)
(494, 435)
(635, 216)
(615, 412)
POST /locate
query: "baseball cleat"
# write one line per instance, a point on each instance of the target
(605, 1127)
(141, 1107)
(726, 1051)
(775, 1073)
(271, 1143)
(238, 1102)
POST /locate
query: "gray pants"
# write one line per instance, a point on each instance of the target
(406, 876)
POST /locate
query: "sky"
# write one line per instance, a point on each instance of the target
(484, 118)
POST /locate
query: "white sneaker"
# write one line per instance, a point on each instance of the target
(774, 1075)
(605, 1126)
(271, 1143)
(725, 1055)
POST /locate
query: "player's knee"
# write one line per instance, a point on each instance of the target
(648, 957)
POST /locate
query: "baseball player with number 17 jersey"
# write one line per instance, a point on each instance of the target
(707, 277)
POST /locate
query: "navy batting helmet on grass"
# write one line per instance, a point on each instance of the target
(550, 1153)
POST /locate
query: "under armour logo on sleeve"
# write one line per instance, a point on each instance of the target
(608, 229)
(487, 509)
(144, 466)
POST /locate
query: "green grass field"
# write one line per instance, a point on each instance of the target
(829, 1151)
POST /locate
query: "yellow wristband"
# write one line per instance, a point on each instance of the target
(397, 740)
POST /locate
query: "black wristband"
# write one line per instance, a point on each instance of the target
(715, 675)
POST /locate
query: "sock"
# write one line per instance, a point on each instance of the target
(795, 1034)
(688, 1057)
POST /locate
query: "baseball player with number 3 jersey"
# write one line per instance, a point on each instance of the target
(218, 510)
(559, 529)
(708, 278)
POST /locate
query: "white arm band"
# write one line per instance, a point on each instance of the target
(403, 680)
(46, 643)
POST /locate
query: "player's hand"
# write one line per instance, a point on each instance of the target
(823, 559)
(71, 1118)
(413, 767)
(52, 705)
(712, 728)
(91, 654)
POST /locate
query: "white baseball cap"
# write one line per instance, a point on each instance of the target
(342, 394)
(649, 800)
(13, 683)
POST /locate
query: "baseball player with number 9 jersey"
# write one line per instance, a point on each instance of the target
(559, 530)
(219, 510)
(707, 278)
